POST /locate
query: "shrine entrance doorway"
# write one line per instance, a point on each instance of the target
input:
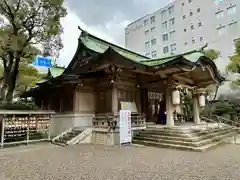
(156, 108)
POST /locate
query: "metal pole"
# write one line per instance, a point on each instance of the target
(2, 134)
(235, 139)
(28, 117)
(49, 134)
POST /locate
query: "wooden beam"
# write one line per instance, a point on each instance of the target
(183, 79)
(206, 83)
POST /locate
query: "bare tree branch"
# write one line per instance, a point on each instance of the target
(12, 16)
(18, 5)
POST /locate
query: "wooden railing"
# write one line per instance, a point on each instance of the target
(109, 121)
(19, 127)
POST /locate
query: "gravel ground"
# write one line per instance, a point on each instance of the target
(103, 163)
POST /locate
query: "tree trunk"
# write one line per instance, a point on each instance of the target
(4, 87)
(12, 80)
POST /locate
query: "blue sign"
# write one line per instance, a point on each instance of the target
(43, 61)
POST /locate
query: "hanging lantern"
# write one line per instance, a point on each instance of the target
(176, 97)
(201, 100)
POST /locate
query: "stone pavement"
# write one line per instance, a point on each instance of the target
(96, 162)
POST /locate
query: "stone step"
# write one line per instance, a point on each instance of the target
(184, 138)
(59, 144)
(61, 141)
(187, 143)
(179, 147)
(67, 137)
(182, 133)
(73, 133)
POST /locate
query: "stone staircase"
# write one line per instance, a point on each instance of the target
(194, 139)
(66, 137)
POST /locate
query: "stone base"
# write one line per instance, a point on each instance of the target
(105, 137)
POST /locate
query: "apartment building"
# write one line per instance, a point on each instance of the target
(184, 25)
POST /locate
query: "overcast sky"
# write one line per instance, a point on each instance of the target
(104, 18)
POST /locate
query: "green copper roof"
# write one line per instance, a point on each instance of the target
(56, 71)
(101, 46)
(192, 56)
(98, 45)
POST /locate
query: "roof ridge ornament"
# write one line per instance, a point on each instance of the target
(201, 49)
(84, 32)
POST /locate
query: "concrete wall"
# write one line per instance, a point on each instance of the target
(102, 136)
(60, 123)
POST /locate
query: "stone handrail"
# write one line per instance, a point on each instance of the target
(60, 135)
(222, 124)
(80, 137)
(233, 123)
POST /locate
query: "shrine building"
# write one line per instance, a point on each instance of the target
(103, 78)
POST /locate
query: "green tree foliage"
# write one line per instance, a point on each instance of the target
(234, 65)
(212, 54)
(28, 76)
(27, 27)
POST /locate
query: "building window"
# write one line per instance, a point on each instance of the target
(146, 22)
(193, 41)
(152, 19)
(189, 1)
(183, 4)
(185, 43)
(219, 14)
(154, 53)
(232, 10)
(201, 39)
(221, 30)
(171, 9)
(192, 27)
(163, 14)
(147, 45)
(146, 32)
(172, 35)
(173, 47)
(198, 10)
(171, 22)
(165, 37)
(191, 13)
(233, 26)
(148, 54)
(165, 50)
(199, 24)
(153, 41)
(153, 29)
(184, 17)
(217, 2)
(164, 25)
(185, 30)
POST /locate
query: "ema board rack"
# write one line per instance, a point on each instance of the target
(21, 128)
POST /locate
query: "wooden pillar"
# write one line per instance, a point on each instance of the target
(144, 101)
(114, 100)
(169, 107)
(196, 108)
